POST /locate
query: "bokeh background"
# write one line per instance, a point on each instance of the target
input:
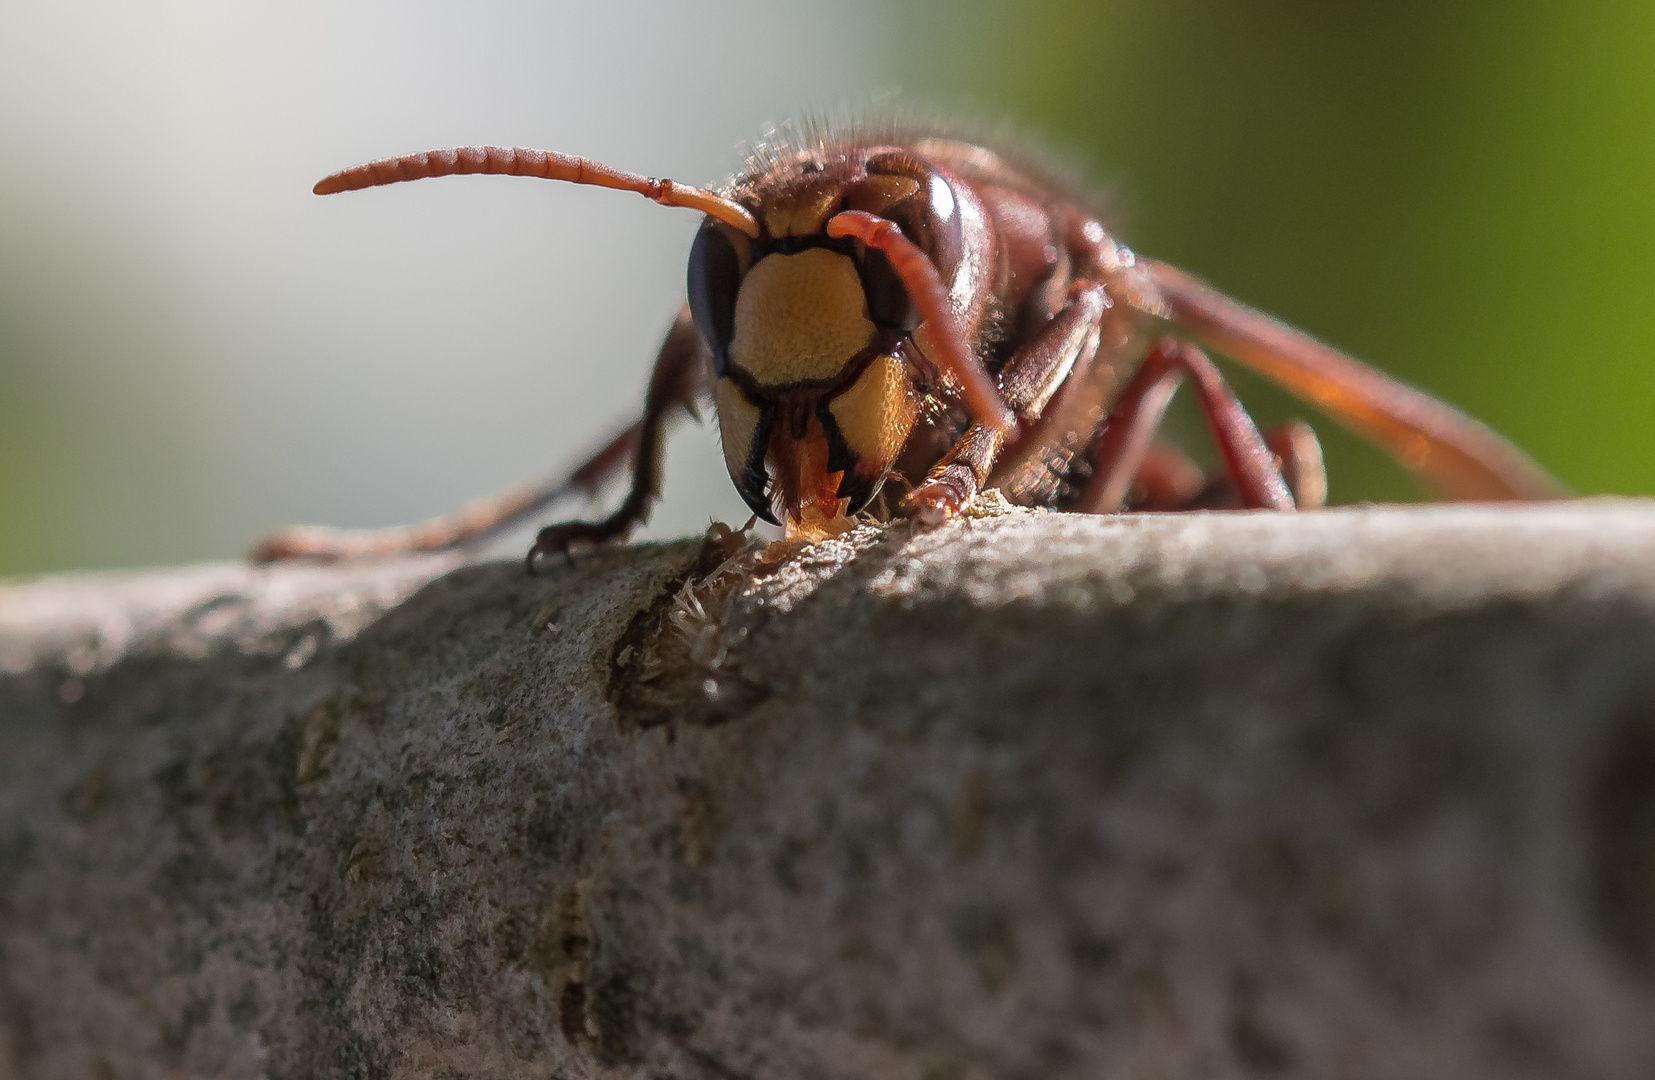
(194, 349)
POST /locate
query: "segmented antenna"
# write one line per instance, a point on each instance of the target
(516, 161)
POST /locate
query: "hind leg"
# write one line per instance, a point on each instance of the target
(1300, 453)
(678, 381)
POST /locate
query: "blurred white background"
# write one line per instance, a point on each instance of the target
(194, 349)
(199, 349)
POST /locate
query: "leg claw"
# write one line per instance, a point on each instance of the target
(563, 539)
(942, 495)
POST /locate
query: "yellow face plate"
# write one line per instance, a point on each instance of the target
(738, 422)
(876, 414)
(799, 317)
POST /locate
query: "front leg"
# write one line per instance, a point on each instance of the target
(1026, 384)
(682, 376)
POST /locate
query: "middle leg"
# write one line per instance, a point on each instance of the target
(1125, 441)
(1168, 480)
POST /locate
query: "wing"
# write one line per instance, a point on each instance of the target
(1455, 454)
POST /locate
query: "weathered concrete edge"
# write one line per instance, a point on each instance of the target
(1437, 560)
(1439, 555)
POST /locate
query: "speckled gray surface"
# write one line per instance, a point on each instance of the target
(1359, 793)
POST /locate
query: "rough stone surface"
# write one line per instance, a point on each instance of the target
(1360, 793)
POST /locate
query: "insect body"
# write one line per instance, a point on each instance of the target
(924, 310)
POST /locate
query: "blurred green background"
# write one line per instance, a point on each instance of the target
(1461, 193)
(193, 349)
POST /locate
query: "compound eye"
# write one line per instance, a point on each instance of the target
(941, 230)
(889, 306)
(930, 217)
(714, 279)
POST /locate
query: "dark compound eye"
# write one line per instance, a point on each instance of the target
(944, 239)
(931, 216)
(713, 280)
(888, 303)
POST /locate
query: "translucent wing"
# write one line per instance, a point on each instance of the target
(1459, 457)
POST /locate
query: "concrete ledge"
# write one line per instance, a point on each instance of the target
(1355, 793)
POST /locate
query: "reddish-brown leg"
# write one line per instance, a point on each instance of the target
(1126, 438)
(486, 517)
(1300, 453)
(1121, 447)
(472, 523)
(1167, 480)
(1027, 383)
(1457, 455)
(682, 375)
